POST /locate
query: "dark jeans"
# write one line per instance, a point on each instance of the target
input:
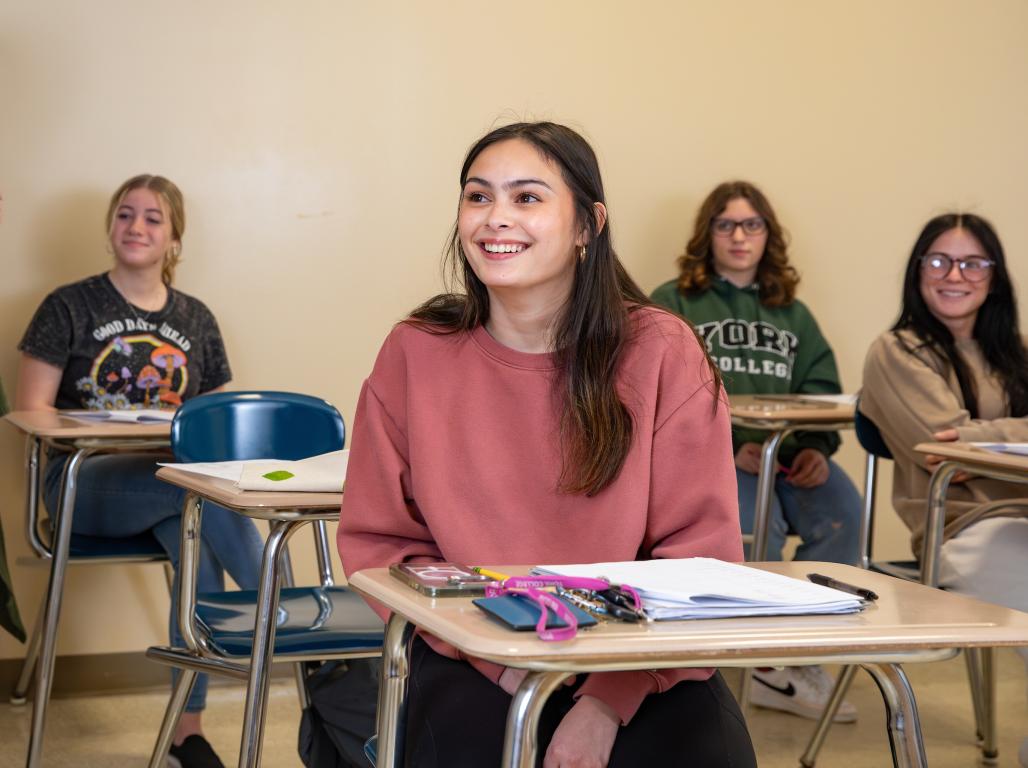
(456, 719)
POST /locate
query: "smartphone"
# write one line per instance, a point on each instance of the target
(440, 579)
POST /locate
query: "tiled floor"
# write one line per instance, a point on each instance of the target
(103, 731)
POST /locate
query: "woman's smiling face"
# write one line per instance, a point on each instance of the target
(140, 233)
(517, 222)
(953, 299)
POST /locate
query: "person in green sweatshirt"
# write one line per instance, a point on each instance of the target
(737, 287)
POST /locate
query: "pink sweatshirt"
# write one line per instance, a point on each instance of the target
(456, 457)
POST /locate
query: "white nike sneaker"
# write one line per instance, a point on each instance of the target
(804, 691)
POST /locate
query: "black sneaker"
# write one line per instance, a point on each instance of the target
(194, 752)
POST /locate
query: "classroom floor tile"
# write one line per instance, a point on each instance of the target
(103, 731)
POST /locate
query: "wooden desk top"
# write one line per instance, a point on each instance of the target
(225, 492)
(970, 454)
(777, 411)
(907, 617)
(54, 425)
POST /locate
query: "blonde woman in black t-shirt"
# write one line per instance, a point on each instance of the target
(127, 339)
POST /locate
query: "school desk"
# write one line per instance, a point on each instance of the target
(80, 438)
(908, 623)
(970, 458)
(781, 415)
(285, 511)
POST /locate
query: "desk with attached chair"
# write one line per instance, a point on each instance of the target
(908, 623)
(81, 438)
(234, 633)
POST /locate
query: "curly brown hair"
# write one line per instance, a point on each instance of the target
(777, 280)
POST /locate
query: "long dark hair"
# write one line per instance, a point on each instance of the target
(593, 327)
(996, 328)
(776, 279)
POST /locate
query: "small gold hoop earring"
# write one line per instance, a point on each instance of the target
(581, 254)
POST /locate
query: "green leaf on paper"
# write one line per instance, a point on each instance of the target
(278, 474)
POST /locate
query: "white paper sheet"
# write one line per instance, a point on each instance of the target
(323, 473)
(141, 415)
(702, 587)
(843, 399)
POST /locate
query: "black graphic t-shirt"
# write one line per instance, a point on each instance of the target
(117, 356)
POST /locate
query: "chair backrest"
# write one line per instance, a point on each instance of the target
(869, 436)
(229, 426)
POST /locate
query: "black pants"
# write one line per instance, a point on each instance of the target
(456, 719)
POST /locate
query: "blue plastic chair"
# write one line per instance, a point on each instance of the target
(979, 660)
(312, 623)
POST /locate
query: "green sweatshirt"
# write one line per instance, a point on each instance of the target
(761, 351)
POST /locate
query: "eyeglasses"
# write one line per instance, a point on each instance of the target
(974, 269)
(726, 227)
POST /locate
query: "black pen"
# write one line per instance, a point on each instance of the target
(842, 586)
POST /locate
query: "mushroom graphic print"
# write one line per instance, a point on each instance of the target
(169, 358)
(147, 380)
(136, 371)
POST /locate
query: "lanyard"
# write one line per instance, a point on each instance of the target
(618, 600)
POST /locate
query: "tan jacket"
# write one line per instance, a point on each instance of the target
(910, 396)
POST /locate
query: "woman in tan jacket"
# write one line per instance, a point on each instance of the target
(954, 367)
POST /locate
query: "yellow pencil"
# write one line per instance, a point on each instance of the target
(491, 574)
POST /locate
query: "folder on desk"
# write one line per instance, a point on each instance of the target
(704, 588)
(323, 473)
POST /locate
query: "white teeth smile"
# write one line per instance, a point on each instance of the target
(503, 248)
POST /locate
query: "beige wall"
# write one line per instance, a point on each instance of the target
(318, 145)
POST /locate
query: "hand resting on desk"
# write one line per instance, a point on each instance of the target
(932, 461)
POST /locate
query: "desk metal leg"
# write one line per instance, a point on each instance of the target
(392, 691)
(263, 645)
(521, 739)
(21, 688)
(761, 526)
(52, 610)
(817, 739)
(937, 489)
(900, 715)
(985, 698)
(32, 468)
(765, 488)
(176, 706)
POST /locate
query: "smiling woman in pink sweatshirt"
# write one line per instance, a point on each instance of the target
(548, 413)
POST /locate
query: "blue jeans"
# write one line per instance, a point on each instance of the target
(119, 496)
(826, 517)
